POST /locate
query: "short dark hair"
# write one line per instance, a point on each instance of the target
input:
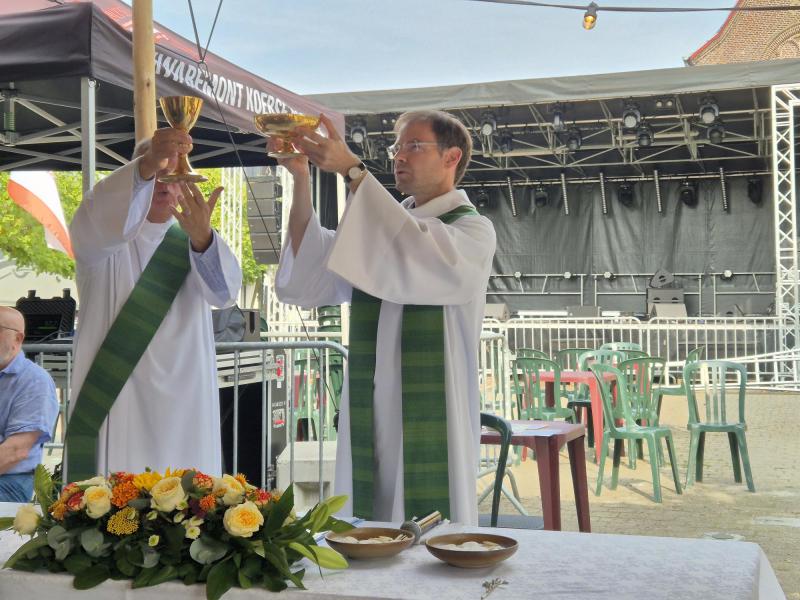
(449, 132)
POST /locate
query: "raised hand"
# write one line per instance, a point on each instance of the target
(195, 215)
(163, 151)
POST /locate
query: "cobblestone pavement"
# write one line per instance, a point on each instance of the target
(769, 517)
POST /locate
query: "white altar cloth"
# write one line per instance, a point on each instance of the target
(548, 564)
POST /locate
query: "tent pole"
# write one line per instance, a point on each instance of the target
(88, 141)
(144, 77)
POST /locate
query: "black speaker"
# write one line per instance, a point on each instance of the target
(665, 296)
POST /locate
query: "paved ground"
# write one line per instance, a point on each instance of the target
(770, 516)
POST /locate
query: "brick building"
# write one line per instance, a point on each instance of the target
(753, 36)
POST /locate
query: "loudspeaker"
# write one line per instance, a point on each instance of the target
(496, 310)
(665, 296)
(675, 311)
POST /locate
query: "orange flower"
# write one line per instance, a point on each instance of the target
(74, 501)
(241, 479)
(68, 491)
(208, 502)
(260, 497)
(203, 482)
(58, 509)
(123, 493)
(121, 477)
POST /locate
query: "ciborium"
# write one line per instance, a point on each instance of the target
(182, 113)
(283, 126)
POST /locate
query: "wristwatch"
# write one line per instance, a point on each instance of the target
(355, 173)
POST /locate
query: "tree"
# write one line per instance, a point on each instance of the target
(22, 236)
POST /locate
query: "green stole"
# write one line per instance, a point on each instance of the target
(124, 345)
(425, 461)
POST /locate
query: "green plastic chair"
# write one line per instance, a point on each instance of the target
(621, 346)
(713, 377)
(502, 427)
(630, 354)
(629, 430)
(531, 394)
(530, 353)
(644, 376)
(677, 390)
(580, 399)
(569, 358)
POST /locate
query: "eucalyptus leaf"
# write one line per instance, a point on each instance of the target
(206, 550)
(139, 503)
(91, 540)
(149, 557)
(77, 562)
(186, 481)
(56, 535)
(62, 550)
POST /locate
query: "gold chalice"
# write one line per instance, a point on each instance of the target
(182, 113)
(282, 126)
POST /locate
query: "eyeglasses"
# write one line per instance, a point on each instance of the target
(408, 147)
(10, 329)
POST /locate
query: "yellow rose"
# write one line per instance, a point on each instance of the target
(96, 500)
(233, 490)
(27, 519)
(167, 494)
(243, 520)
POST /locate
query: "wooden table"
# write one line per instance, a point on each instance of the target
(546, 439)
(587, 378)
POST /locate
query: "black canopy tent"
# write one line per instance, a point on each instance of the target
(66, 85)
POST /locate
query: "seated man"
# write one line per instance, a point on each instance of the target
(28, 410)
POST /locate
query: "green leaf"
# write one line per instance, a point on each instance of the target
(125, 566)
(164, 574)
(221, 578)
(274, 584)
(186, 481)
(62, 550)
(139, 503)
(337, 525)
(32, 545)
(91, 540)
(335, 503)
(77, 562)
(43, 487)
(297, 579)
(149, 557)
(89, 578)
(251, 567)
(56, 535)
(6, 523)
(319, 516)
(277, 515)
(207, 550)
(323, 556)
(276, 556)
(174, 536)
(244, 580)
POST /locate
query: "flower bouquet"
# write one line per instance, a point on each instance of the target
(182, 525)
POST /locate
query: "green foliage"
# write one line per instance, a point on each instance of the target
(22, 237)
(149, 546)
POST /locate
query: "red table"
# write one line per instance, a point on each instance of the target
(546, 440)
(588, 378)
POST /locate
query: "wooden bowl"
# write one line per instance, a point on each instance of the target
(383, 550)
(471, 559)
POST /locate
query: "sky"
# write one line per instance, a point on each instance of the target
(321, 46)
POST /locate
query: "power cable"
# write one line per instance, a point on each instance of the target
(648, 9)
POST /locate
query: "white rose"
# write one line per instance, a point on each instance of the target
(234, 491)
(99, 480)
(167, 494)
(96, 500)
(243, 520)
(27, 519)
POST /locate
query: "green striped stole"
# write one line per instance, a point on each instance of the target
(426, 479)
(124, 345)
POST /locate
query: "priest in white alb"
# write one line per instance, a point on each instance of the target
(415, 274)
(148, 273)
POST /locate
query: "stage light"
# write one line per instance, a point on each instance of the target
(488, 123)
(625, 194)
(609, 276)
(645, 136)
(590, 16)
(664, 103)
(564, 193)
(716, 133)
(511, 197)
(574, 139)
(381, 149)
(358, 132)
(506, 143)
(709, 110)
(755, 190)
(558, 119)
(568, 275)
(726, 275)
(603, 200)
(724, 189)
(540, 198)
(631, 116)
(688, 193)
(657, 183)
(482, 200)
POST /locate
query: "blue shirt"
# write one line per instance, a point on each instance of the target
(27, 403)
